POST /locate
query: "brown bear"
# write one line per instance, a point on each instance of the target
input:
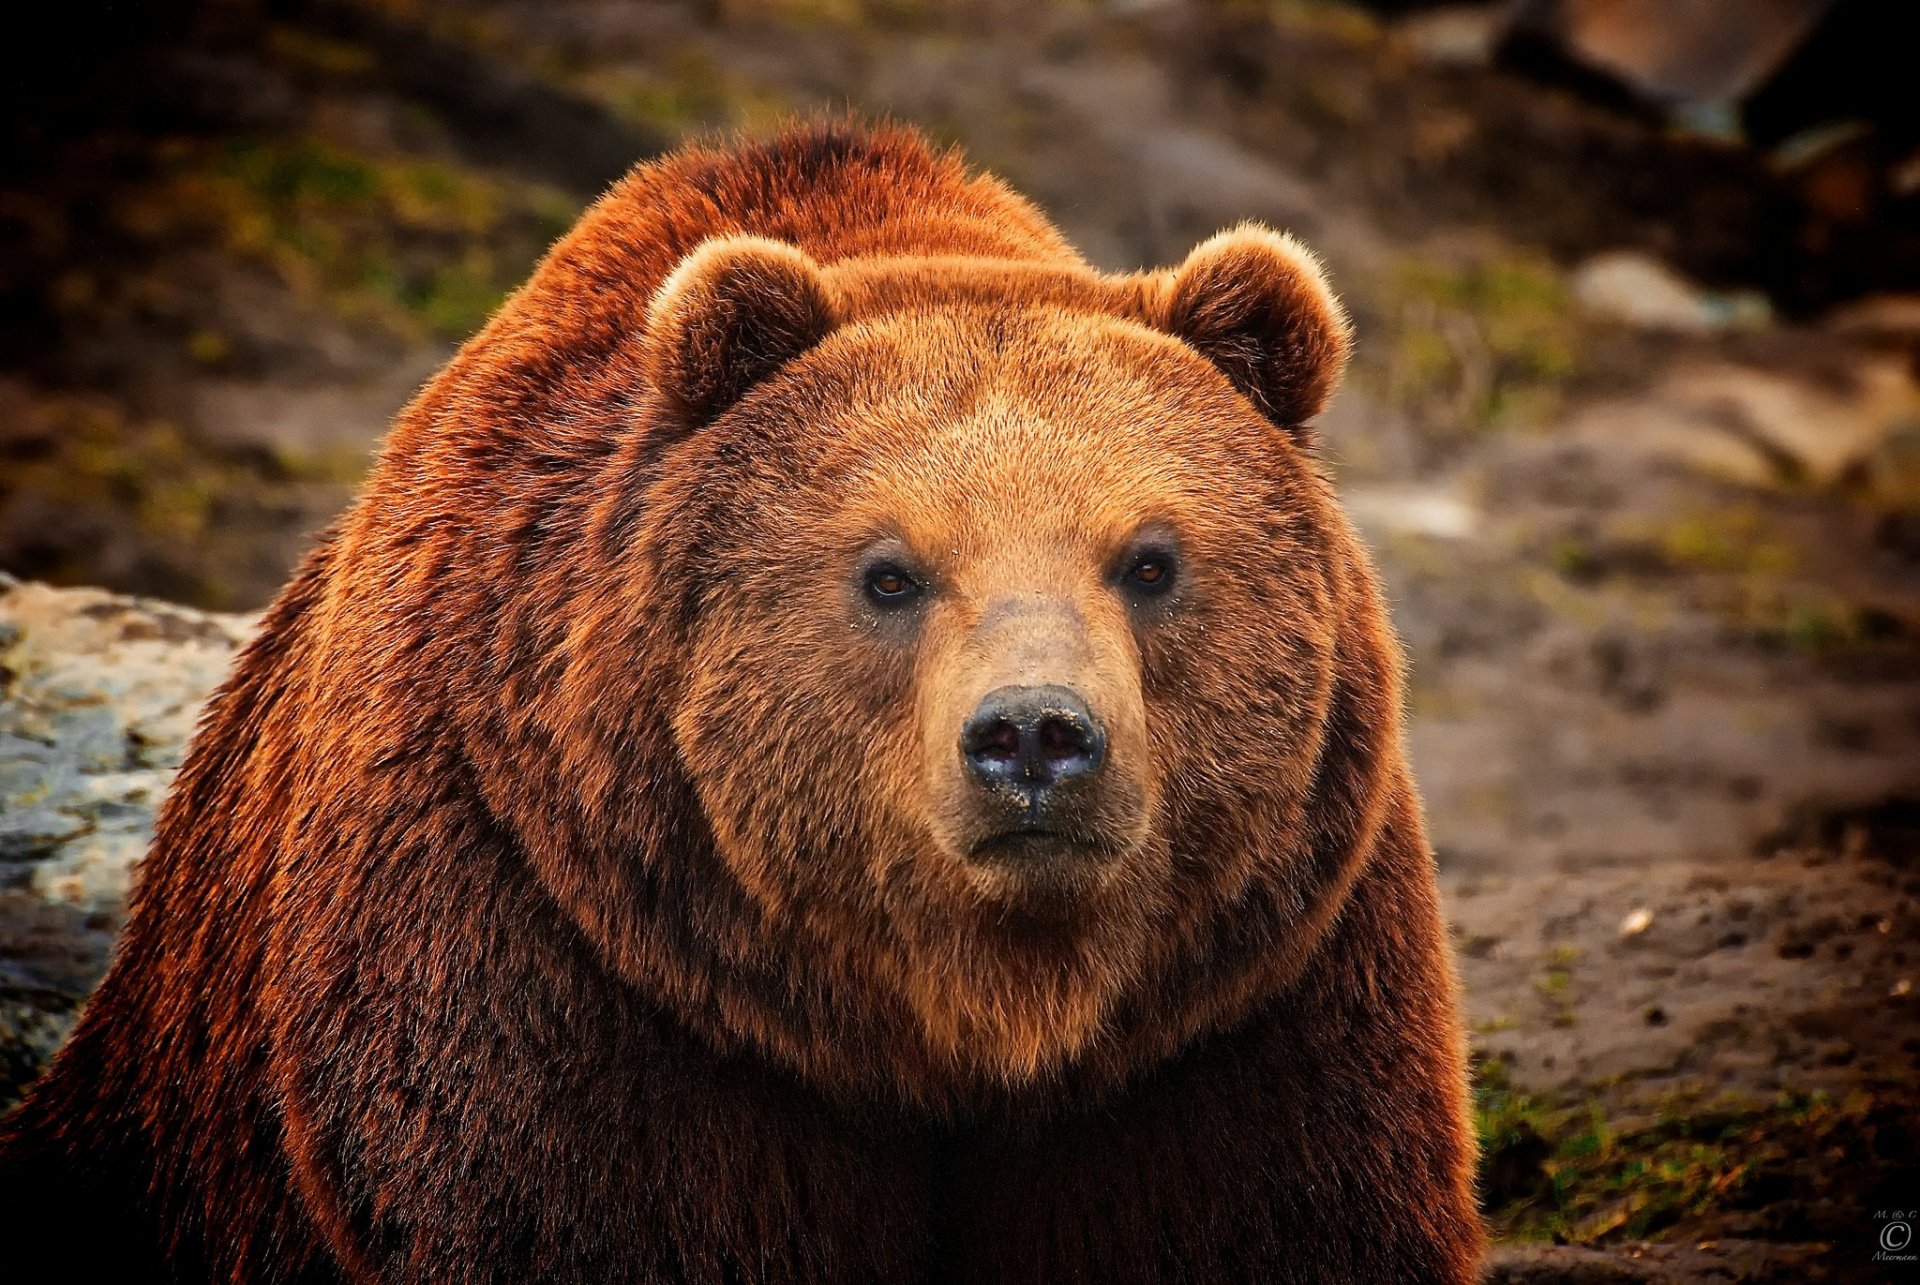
(838, 744)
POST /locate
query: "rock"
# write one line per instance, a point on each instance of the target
(1704, 51)
(98, 697)
(1890, 315)
(1456, 35)
(1528, 1264)
(1426, 512)
(1662, 1263)
(1669, 1262)
(1858, 420)
(1641, 291)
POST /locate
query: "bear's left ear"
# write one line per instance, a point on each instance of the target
(735, 310)
(1255, 303)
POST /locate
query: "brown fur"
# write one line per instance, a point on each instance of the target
(572, 883)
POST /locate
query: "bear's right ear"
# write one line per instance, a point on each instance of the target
(1255, 303)
(735, 310)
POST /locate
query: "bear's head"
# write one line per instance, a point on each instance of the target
(984, 683)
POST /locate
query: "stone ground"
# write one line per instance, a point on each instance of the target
(1657, 578)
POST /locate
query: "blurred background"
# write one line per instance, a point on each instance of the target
(1633, 426)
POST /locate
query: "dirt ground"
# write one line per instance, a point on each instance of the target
(1658, 584)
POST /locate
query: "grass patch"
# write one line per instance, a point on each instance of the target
(1566, 1172)
(418, 245)
(1824, 627)
(130, 481)
(1556, 984)
(1747, 571)
(1729, 541)
(689, 93)
(1490, 345)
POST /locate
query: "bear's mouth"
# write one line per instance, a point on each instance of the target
(1028, 842)
(1042, 877)
(1035, 859)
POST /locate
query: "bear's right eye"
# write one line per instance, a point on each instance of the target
(889, 586)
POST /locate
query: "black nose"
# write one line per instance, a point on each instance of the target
(1033, 738)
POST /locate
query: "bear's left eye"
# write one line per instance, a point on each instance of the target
(889, 586)
(1150, 572)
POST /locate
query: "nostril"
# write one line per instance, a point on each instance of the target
(1062, 739)
(999, 741)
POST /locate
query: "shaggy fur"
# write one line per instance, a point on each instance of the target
(576, 880)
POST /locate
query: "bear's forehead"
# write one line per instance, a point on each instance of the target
(1024, 377)
(996, 468)
(1005, 464)
(868, 288)
(1046, 332)
(974, 403)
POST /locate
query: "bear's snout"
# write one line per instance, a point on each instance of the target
(1034, 736)
(1033, 744)
(1033, 761)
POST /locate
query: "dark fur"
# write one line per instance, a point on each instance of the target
(493, 931)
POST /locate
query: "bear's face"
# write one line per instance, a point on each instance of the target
(977, 653)
(1003, 625)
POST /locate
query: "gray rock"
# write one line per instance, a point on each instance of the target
(1642, 291)
(1562, 1265)
(98, 697)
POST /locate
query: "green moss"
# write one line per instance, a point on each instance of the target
(459, 297)
(674, 102)
(1486, 345)
(1556, 985)
(1574, 560)
(1826, 627)
(1727, 540)
(414, 244)
(689, 93)
(193, 504)
(304, 172)
(1564, 1171)
(1759, 582)
(208, 347)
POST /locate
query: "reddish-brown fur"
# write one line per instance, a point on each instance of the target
(572, 881)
